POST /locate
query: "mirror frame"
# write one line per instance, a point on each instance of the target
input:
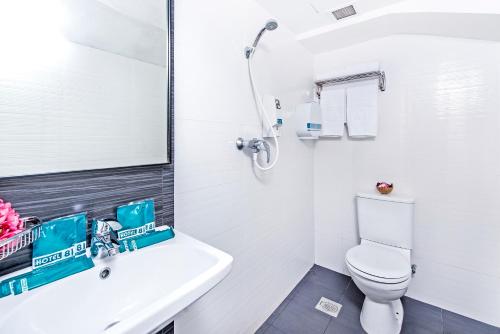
(170, 81)
(169, 4)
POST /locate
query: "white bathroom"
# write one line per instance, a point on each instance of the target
(250, 166)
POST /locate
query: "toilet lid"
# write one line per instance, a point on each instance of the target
(379, 261)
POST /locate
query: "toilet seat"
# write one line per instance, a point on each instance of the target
(378, 263)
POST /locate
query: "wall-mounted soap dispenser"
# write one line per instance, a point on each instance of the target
(272, 107)
(308, 120)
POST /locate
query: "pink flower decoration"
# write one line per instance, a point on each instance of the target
(10, 222)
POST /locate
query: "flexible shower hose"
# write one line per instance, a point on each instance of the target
(262, 110)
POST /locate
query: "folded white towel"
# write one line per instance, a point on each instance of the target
(333, 109)
(362, 109)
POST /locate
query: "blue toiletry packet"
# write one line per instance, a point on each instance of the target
(60, 239)
(149, 239)
(136, 219)
(59, 252)
(43, 276)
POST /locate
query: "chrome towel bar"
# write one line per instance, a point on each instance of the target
(352, 78)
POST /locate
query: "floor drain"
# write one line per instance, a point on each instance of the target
(328, 306)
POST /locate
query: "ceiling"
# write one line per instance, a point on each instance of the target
(318, 31)
(303, 15)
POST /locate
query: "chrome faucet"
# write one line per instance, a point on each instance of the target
(104, 240)
(255, 145)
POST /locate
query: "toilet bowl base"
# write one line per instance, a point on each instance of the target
(382, 318)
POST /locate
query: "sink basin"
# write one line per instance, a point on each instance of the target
(144, 290)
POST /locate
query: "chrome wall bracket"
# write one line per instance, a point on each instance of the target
(240, 143)
(248, 51)
(353, 78)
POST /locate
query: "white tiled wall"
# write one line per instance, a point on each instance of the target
(439, 135)
(264, 221)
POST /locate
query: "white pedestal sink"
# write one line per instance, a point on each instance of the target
(144, 291)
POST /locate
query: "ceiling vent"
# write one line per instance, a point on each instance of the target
(344, 12)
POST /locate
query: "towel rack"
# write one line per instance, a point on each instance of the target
(352, 78)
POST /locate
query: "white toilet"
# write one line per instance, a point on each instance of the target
(380, 265)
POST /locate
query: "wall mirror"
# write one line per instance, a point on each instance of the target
(84, 84)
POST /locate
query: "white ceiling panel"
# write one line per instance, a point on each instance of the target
(362, 6)
(318, 30)
(298, 15)
(304, 15)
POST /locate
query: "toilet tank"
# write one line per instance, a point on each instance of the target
(386, 219)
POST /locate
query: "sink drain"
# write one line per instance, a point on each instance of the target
(104, 273)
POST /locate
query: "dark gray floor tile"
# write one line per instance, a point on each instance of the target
(309, 293)
(273, 330)
(421, 318)
(347, 321)
(297, 319)
(320, 282)
(458, 324)
(297, 315)
(281, 307)
(344, 328)
(328, 277)
(348, 318)
(262, 329)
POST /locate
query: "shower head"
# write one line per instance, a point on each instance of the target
(270, 25)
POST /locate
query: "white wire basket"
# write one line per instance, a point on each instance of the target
(22, 239)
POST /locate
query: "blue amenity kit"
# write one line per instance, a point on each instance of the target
(138, 226)
(59, 252)
(136, 219)
(61, 239)
(61, 249)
